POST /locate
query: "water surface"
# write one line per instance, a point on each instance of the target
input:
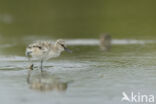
(87, 76)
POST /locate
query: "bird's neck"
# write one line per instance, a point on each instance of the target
(56, 49)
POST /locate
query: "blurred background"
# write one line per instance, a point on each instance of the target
(134, 19)
(88, 75)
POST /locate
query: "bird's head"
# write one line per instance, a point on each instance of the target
(60, 44)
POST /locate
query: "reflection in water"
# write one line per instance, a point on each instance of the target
(45, 82)
(105, 42)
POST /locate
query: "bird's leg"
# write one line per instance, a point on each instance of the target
(28, 76)
(41, 67)
(31, 64)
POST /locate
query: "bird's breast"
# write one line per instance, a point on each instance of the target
(53, 54)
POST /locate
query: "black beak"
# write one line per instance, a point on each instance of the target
(66, 49)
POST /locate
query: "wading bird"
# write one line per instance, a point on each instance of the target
(105, 42)
(44, 50)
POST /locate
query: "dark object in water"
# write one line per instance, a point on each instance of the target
(105, 42)
(31, 67)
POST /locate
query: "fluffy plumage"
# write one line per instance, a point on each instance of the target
(44, 50)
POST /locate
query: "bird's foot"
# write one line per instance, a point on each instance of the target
(31, 67)
(41, 68)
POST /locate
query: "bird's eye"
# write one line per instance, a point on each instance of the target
(39, 47)
(62, 45)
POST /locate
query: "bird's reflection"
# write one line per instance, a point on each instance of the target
(45, 82)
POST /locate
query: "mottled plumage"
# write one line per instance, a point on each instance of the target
(44, 50)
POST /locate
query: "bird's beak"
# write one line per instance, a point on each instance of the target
(66, 49)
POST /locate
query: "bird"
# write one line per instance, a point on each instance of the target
(44, 50)
(105, 42)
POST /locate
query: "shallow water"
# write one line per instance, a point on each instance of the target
(87, 76)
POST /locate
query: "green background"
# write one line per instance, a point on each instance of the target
(78, 18)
